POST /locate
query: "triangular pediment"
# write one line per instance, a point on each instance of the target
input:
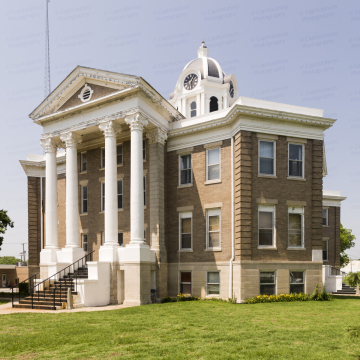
(69, 94)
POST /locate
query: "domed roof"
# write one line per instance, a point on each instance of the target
(207, 66)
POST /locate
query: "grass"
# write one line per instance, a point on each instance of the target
(2, 302)
(189, 330)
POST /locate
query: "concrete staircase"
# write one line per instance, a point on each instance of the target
(55, 294)
(346, 290)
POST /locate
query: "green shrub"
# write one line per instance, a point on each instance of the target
(167, 299)
(315, 294)
(24, 288)
(184, 297)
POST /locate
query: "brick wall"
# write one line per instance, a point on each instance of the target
(34, 220)
(198, 195)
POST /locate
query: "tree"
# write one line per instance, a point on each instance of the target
(347, 241)
(9, 260)
(353, 279)
(5, 221)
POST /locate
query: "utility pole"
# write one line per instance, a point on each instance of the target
(23, 253)
(47, 84)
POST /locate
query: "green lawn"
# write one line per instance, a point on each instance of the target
(189, 330)
(2, 302)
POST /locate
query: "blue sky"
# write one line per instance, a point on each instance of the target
(302, 53)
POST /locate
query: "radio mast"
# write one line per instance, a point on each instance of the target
(47, 85)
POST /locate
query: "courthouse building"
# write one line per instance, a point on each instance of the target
(208, 193)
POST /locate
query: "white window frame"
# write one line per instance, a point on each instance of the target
(185, 215)
(144, 186)
(270, 270)
(191, 169)
(83, 235)
(272, 209)
(207, 165)
(207, 283)
(213, 212)
(297, 210)
(82, 199)
(102, 198)
(122, 194)
(327, 250)
(191, 283)
(304, 278)
(122, 154)
(327, 216)
(82, 162)
(102, 160)
(303, 161)
(274, 156)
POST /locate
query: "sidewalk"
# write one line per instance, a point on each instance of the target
(6, 309)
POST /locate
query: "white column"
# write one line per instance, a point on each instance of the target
(136, 123)
(48, 254)
(72, 199)
(198, 105)
(202, 96)
(110, 128)
(225, 101)
(183, 106)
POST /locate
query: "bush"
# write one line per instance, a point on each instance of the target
(315, 296)
(180, 297)
(24, 288)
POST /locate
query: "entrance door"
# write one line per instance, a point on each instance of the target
(3, 280)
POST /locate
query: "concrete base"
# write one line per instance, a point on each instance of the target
(70, 255)
(137, 261)
(109, 253)
(48, 256)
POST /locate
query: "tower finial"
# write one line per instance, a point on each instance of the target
(203, 51)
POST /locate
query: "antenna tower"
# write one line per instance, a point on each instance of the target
(47, 85)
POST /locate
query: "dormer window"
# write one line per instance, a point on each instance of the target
(86, 93)
(214, 104)
(193, 109)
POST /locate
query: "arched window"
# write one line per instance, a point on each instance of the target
(214, 104)
(193, 109)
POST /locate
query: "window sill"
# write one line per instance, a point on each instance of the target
(101, 169)
(144, 160)
(185, 250)
(120, 165)
(101, 212)
(84, 214)
(268, 176)
(145, 207)
(82, 172)
(296, 178)
(120, 210)
(185, 186)
(210, 182)
(213, 250)
(296, 248)
(325, 225)
(267, 248)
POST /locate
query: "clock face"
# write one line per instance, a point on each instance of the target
(190, 81)
(231, 90)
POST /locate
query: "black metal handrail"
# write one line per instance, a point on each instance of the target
(335, 271)
(53, 278)
(12, 289)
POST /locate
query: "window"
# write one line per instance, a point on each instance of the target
(185, 169)
(83, 162)
(120, 194)
(144, 181)
(119, 154)
(102, 196)
(102, 237)
(84, 199)
(266, 157)
(267, 283)
(120, 239)
(325, 217)
(213, 229)
(325, 250)
(193, 109)
(297, 282)
(213, 283)
(296, 225)
(214, 104)
(144, 149)
(266, 225)
(213, 164)
(185, 282)
(185, 231)
(84, 242)
(102, 158)
(296, 163)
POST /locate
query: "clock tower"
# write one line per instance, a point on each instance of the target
(203, 87)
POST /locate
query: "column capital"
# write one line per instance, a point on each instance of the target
(109, 127)
(71, 139)
(157, 136)
(49, 144)
(136, 121)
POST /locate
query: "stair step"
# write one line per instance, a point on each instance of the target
(38, 307)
